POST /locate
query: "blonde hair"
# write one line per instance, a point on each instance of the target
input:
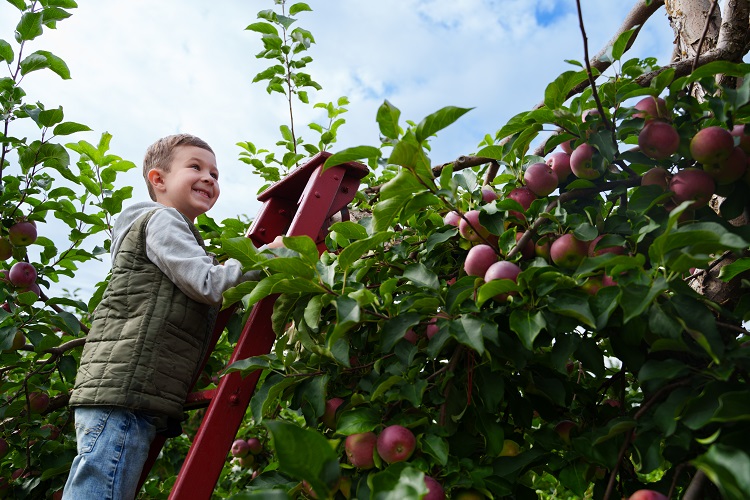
(159, 154)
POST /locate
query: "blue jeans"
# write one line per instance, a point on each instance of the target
(113, 444)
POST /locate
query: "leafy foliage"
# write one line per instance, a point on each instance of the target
(550, 386)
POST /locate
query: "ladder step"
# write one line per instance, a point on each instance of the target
(199, 399)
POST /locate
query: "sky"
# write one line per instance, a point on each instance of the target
(142, 70)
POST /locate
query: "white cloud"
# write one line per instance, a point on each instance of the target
(144, 69)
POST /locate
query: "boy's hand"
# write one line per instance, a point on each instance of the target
(277, 242)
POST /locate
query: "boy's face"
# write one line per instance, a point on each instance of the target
(192, 183)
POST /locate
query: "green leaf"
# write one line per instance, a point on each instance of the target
(411, 156)
(352, 154)
(29, 27)
(6, 52)
(265, 28)
(299, 7)
(241, 249)
(621, 44)
(556, 92)
(387, 119)
(42, 59)
(398, 482)
(304, 246)
(470, 332)
(355, 251)
(421, 276)
(437, 447)
(394, 329)
(574, 305)
(527, 325)
(357, 420)
(728, 468)
(248, 365)
(735, 268)
(67, 128)
(439, 120)
(305, 454)
(404, 185)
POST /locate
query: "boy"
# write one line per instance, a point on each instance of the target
(149, 333)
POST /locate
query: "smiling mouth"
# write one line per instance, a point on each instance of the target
(202, 193)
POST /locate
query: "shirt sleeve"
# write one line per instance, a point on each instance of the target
(172, 247)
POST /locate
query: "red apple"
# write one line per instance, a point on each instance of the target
(657, 176)
(471, 229)
(479, 258)
(396, 444)
(647, 495)
(431, 329)
(488, 194)
(692, 184)
(581, 162)
(502, 270)
(729, 170)
(329, 414)
(22, 233)
(523, 195)
(567, 146)
(239, 448)
(411, 336)
(452, 219)
(38, 402)
(559, 161)
(22, 274)
(540, 179)
(711, 145)
(434, 490)
(359, 449)
(652, 108)
(568, 251)
(4, 447)
(255, 445)
(658, 140)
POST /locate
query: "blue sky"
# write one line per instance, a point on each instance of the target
(142, 69)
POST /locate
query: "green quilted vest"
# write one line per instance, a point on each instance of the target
(147, 337)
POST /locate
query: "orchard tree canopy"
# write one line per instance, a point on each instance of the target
(558, 313)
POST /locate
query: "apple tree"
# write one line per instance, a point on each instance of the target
(556, 315)
(559, 313)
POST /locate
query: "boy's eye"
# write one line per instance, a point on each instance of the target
(215, 176)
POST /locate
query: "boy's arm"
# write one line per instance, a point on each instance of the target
(172, 247)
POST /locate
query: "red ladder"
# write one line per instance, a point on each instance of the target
(300, 204)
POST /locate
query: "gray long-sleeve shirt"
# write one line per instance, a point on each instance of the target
(171, 246)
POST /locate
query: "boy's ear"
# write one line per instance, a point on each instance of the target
(156, 178)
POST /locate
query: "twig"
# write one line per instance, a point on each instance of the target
(589, 73)
(696, 484)
(700, 43)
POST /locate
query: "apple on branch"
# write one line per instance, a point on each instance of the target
(359, 449)
(568, 251)
(396, 444)
(540, 179)
(479, 259)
